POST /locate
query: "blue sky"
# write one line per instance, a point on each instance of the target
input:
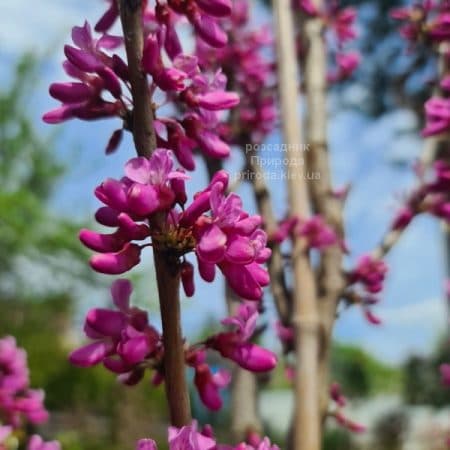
(363, 152)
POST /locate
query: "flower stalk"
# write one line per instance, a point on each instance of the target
(167, 276)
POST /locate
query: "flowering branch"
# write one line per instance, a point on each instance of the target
(167, 271)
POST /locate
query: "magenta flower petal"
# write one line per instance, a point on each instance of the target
(59, 115)
(252, 357)
(146, 444)
(70, 92)
(240, 250)
(102, 243)
(106, 322)
(138, 170)
(112, 193)
(107, 216)
(218, 100)
(82, 59)
(117, 263)
(90, 354)
(209, 30)
(143, 199)
(241, 280)
(217, 8)
(120, 292)
(134, 350)
(207, 270)
(211, 246)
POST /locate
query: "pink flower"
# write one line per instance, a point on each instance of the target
(370, 272)
(437, 111)
(350, 425)
(37, 443)
(445, 374)
(317, 233)
(17, 401)
(346, 63)
(285, 334)
(208, 384)
(188, 438)
(343, 24)
(337, 396)
(285, 229)
(214, 226)
(123, 338)
(235, 344)
(94, 71)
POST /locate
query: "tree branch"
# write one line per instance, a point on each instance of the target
(331, 280)
(306, 422)
(167, 271)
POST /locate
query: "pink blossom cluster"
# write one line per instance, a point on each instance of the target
(102, 81)
(340, 402)
(202, 14)
(431, 196)
(17, 401)
(127, 344)
(340, 31)
(146, 202)
(189, 438)
(315, 231)
(427, 21)
(19, 404)
(246, 59)
(369, 274)
(34, 443)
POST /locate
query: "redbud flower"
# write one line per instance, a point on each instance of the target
(235, 344)
(437, 112)
(445, 374)
(208, 384)
(370, 272)
(350, 425)
(317, 233)
(336, 395)
(37, 443)
(17, 401)
(123, 338)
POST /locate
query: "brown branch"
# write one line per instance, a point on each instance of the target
(306, 425)
(142, 115)
(167, 271)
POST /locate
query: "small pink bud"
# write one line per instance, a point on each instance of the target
(217, 8)
(70, 92)
(187, 278)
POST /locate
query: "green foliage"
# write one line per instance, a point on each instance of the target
(360, 374)
(29, 171)
(337, 439)
(422, 379)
